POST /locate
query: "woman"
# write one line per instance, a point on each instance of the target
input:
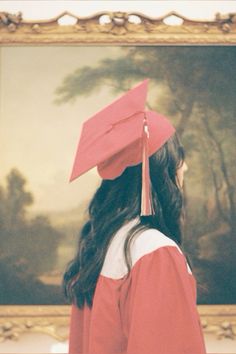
(131, 288)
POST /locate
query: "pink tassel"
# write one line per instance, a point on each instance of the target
(146, 202)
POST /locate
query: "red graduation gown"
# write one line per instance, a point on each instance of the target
(153, 311)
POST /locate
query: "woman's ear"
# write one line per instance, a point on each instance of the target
(180, 174)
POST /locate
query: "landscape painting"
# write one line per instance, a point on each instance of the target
(46, 93)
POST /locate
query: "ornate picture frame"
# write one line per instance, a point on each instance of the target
(113, 28)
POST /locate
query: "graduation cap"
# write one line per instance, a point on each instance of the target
(121, 135)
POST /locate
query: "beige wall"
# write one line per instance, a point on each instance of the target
(33, 343)
(39, 343)
(47, 9)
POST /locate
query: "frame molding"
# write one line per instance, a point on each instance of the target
(15, 320)
(125, 29)
(119, 28)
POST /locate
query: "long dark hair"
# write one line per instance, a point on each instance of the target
(117, 202)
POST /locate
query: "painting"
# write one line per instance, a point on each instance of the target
(44, 104)
(41, 212)
(48, 91)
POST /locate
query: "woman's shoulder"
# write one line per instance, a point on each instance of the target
(144, 243)
(148, 241)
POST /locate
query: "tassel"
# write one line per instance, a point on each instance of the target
(146, 202)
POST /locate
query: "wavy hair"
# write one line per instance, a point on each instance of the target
(115, 203)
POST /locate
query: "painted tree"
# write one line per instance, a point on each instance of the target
(28, 247)
(32, 243)
(195, 87)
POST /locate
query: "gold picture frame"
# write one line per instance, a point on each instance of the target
(119, 28)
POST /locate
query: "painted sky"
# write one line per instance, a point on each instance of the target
(38, 137)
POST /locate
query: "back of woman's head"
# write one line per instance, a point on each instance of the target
(115, 203)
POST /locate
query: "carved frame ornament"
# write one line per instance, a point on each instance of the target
(219, 320)
(111, 28)
(117, 28)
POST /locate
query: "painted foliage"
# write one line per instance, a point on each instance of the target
(57, 89)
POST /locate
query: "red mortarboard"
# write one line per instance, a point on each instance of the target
(123, 134)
